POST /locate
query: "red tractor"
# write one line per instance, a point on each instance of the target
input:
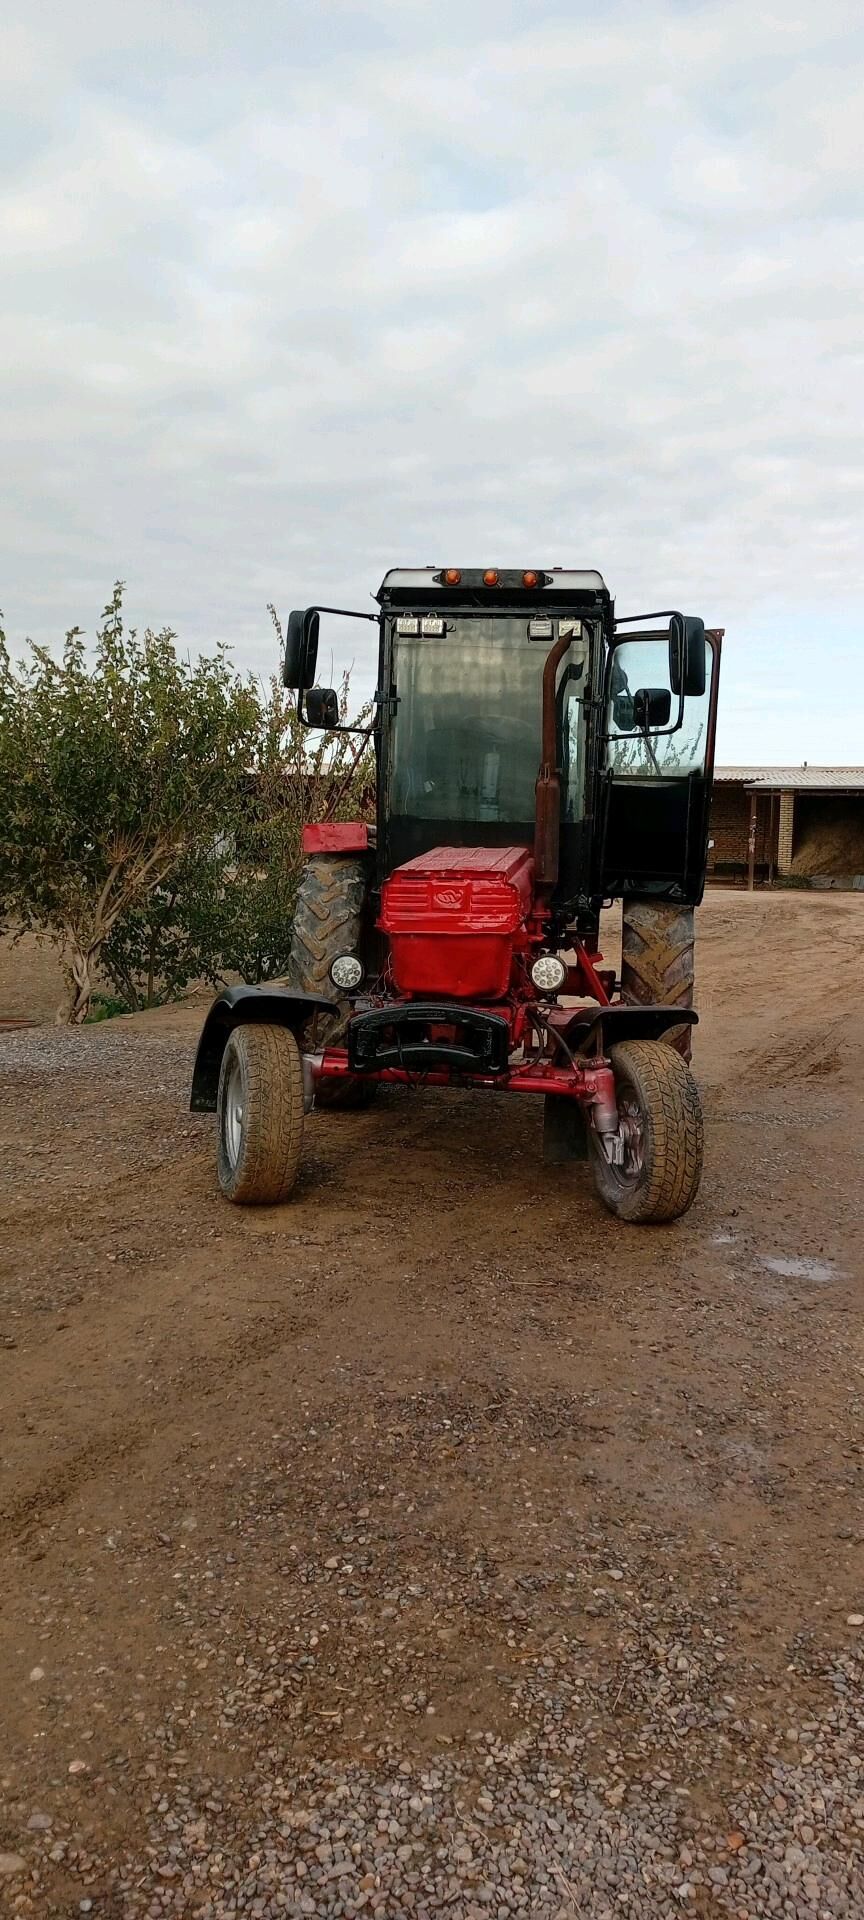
(535, 756)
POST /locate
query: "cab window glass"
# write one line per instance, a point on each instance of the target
(638, 664)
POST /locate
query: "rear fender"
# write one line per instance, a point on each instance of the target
(241, 1006)
(338, 836)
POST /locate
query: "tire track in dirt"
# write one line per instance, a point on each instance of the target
(168, 1350)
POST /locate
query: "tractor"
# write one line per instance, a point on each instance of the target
(536, 758)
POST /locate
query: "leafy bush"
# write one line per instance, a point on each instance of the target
(104, 1007)
(151, 811)
(229, 905)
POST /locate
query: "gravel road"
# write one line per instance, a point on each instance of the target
(434, 1544)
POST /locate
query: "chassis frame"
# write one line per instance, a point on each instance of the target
(584, 1036)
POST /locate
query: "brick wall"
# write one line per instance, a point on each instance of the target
(730, 828)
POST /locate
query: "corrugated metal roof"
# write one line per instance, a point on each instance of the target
(791, 779)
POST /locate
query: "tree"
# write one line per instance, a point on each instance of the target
(171, 937)
(228, 906)
(112, 771)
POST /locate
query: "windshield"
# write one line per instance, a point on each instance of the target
(467, 730)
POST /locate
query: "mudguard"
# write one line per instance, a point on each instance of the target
(236, 1007)
(623, 1021)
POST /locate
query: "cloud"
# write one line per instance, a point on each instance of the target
(293, 294)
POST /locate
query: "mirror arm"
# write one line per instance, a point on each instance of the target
(368, 733)
(650, 746)
(628, 620)
(346, 613)
(659, 733)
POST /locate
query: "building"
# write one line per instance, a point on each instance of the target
(800, 825)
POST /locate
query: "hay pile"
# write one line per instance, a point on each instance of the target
(830, 838)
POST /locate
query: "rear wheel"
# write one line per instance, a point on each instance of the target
(328, 920)
(260, 1115)
(657, 946)
(650, 1170)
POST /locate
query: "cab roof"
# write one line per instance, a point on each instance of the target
(399, 581)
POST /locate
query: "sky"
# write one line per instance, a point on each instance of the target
(294, 293)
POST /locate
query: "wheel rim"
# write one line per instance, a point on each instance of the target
(629, 1142)
(232, 1114)
(631, 1125)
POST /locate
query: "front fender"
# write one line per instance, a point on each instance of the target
(236, 1007)
(624, 1020)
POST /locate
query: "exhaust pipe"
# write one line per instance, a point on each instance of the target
(547, 791)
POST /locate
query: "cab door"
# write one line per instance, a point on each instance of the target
(655, 779)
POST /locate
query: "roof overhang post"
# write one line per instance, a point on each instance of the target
(772, 839)
(785, 833)
(751, 841)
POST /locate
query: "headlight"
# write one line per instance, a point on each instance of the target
(346, 972)
(548, 973)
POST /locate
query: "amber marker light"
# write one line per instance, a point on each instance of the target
(452, 577)
(530, 579)
(490, 577)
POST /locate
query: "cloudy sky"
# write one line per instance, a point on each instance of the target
(292, 292)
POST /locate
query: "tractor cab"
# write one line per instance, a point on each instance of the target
(464, 693)
(535, 756)
(464, 660)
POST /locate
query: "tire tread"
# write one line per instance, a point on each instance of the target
(328, 919)
(657, 961)
(273, 1132)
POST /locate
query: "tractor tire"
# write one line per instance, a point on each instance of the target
(657, 962)
(658, 1102)
(259, 1110)
(328, 920)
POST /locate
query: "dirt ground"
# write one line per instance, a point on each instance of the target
(31, 980)
(370, 1479)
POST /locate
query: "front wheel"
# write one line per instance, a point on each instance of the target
(650, 1170)
(259, 1110)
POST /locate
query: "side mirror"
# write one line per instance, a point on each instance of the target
(301, 649)
(687, 654)
(652, 707)
(322, 707)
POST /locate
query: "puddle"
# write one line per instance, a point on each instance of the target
(795, 1267)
